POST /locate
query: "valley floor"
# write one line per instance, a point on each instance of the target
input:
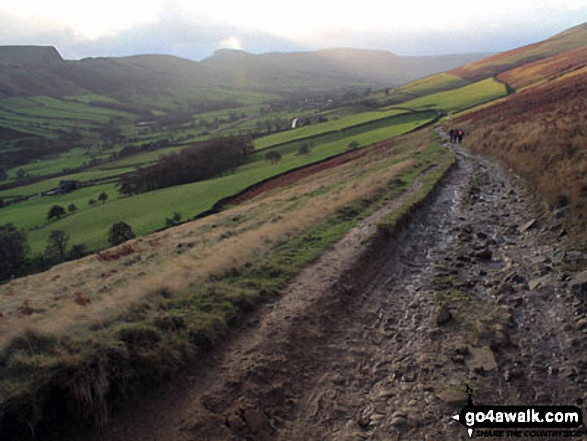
(378, 340)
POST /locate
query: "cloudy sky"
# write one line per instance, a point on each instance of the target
(196, 28)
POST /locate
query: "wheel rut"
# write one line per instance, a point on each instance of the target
(379, 344)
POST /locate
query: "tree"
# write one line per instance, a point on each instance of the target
(92, 202)
(103, 196)
(20, 174)
(56, 246)
(273, 157)
(72, 207)
(13, 249)
(77, 251)
(3, 174)
(119, 233)
(55, 211)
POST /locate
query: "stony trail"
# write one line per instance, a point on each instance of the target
(379, 345)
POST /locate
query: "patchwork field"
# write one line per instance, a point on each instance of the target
(147, 212)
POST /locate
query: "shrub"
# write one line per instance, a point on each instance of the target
(273, 157)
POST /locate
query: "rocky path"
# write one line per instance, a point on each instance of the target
(472, 293)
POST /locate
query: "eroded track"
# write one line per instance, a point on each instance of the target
(378, 345)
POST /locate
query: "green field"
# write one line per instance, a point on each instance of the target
(40, 115)
(147, 212)
(461, 98)
(432, 84)
(330, 126)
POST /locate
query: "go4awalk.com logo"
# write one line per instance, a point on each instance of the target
(520, 421)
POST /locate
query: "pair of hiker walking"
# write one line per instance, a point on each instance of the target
(456, 135)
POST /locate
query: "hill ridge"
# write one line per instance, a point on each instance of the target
(30, 54)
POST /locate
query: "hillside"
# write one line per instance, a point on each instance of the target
(326, 69)
(540, 133)
(567, 41)
(24, 73)
(390, 277)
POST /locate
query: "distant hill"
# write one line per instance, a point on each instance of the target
(564, 42)
(326, 69)
(40, 71)
(29, 55)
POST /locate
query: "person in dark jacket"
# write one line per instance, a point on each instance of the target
(452, 135)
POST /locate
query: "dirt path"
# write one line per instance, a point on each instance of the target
(380, 345)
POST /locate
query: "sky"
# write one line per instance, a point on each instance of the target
(195, 29)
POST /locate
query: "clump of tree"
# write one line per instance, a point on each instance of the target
(119, 233)
(13, 250)
(197, 163)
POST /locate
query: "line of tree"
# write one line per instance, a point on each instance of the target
(14, 249)
(196, 163)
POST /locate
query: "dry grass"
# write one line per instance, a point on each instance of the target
(187, 255)
(90, 333)
(545, 70)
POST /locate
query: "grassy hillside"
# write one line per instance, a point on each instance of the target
(547, 69)
(102, 328)
(147, 212)
(559, 44)
(22, 74)
(459, 99)
(326, 69)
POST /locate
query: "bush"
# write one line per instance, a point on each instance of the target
(304, 149)
(174, 220)
(273, 157)
(354, 145)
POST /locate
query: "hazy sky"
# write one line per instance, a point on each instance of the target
(195, 29)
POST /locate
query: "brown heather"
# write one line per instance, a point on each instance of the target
(541, 133)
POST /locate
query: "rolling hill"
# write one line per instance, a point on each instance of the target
(40, 71)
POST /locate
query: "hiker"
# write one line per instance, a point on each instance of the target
(460, 135)
(452, 135)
